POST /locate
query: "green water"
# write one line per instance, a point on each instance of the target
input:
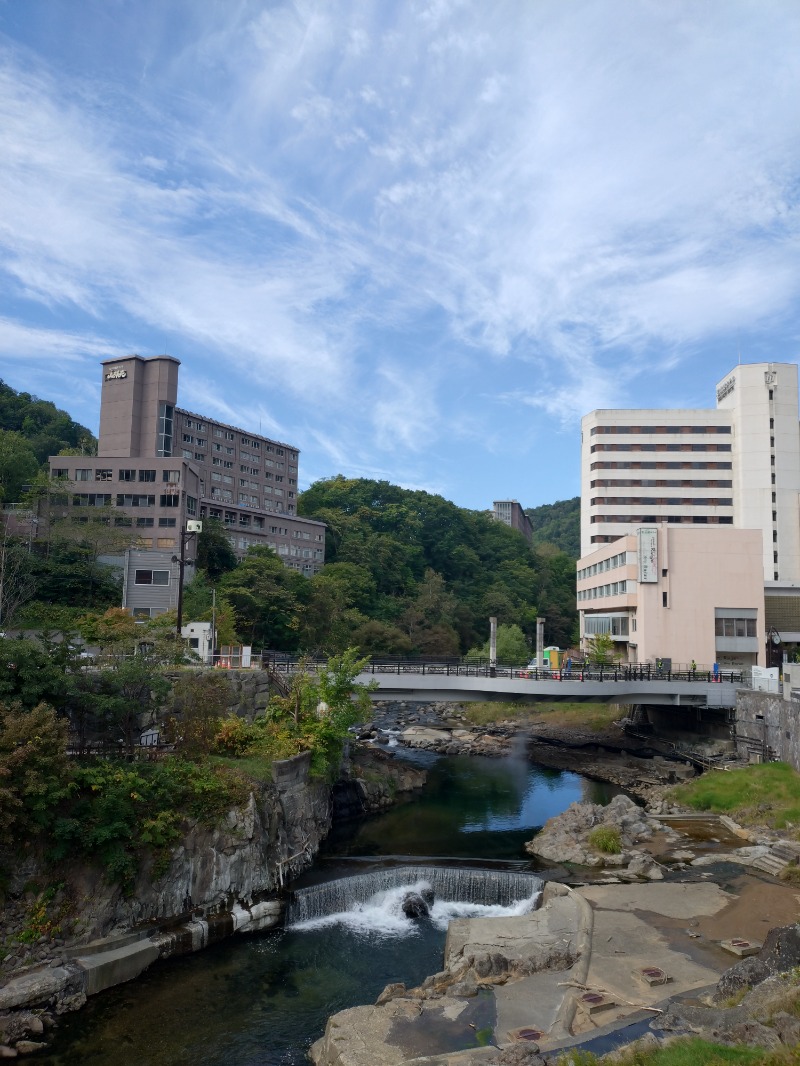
(261, 1000)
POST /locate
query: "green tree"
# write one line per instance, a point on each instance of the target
(215, 556)
(322, 706)
(198, 702)
(18, 466)
(601, 649)
(125, 698)
(512, 647)
(34, 769)
(266, 598)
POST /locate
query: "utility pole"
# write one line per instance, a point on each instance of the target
(492, 647)
(540, 643)
(191, 529)
(213, 623)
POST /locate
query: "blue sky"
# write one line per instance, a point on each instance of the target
(417, 239)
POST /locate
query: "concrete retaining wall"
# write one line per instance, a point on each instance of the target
(767, 728)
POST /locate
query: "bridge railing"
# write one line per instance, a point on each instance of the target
(576, 673)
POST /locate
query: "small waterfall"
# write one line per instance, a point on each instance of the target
(483, 888)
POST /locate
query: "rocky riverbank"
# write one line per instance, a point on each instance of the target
(68, 933)
(649, 935)
(643, 768)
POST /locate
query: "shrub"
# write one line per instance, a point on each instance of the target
(606, 840)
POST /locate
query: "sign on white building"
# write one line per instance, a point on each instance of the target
(648, 554)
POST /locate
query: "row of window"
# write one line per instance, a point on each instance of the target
(105, 474)
(126, 520)
(735, 627)
(661, 501)
(645, 519)
(647, 483)
(616, 625)
(660, 429)
(606, 564)
(635, 446)
(609, 464)
(615, 588)
(230, 435)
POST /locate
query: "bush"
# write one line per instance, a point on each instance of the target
(606, 840)
(118, 810)
(34, 769)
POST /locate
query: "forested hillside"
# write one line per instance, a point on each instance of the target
(30, 430)
(426, 574)
(407, 572)
(558, 524)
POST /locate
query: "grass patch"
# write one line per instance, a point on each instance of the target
(253, 766)
(589, 717)
(767, 794)
(691, 1052)
(606, 840)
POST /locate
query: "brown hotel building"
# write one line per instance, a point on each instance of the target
(162, 466)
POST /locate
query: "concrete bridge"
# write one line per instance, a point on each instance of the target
(432, 683)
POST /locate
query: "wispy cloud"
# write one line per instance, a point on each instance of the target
(571, 197)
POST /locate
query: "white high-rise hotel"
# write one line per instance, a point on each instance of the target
(732, 472)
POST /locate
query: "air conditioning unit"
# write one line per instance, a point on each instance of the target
(193, 526)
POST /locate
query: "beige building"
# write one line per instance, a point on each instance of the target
(161, 466)
(732, 469)
(736, 465)
(677, 592)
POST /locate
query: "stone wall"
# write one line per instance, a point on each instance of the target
(767, 728)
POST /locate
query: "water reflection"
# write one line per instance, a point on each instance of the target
(472, 807)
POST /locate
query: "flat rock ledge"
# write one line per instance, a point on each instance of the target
(474, 1000)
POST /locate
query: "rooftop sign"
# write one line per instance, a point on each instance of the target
(115, 373)
(726, 388)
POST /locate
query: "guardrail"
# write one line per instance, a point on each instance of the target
(644, 672)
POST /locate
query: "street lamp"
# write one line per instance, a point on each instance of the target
(774, 656)
(191, 529)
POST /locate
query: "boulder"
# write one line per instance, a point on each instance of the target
(414, 906)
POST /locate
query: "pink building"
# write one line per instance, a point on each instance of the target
(677, 592)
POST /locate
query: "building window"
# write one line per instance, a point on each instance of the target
(151, 577)
(135, 500)
(83, 475)
(664, 602)
(140, 522)
(169, 523)
(735, 627)
(169, 500)
(91, 499)
(103, 475)
(171, 476)
(147, 475)
(166, 414)
(191, 505)
(127, 475)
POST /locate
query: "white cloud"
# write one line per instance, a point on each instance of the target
(579, 194)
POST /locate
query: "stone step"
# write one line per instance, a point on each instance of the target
(786, 849)
(770, 864)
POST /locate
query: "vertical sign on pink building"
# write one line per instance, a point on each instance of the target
(648, 554)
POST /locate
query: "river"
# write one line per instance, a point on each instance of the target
(261, 1000)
